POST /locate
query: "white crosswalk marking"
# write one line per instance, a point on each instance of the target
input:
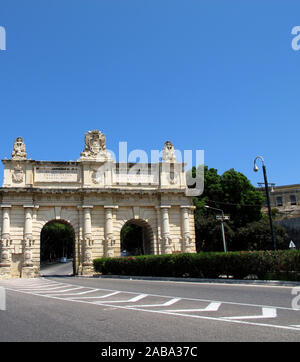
(127, 300)
(94, 297)
(133, 300)
(166, 304)
(266, 313)
(78, 293)
(212, 307)
(41, 289)
(34, 286)
(60, 292)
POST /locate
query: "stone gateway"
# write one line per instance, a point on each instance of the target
(96, 196)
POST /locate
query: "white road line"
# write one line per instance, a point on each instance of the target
(133, 300)
(39, 282)
(58, 292)
(80, 293)
(166, 304)
(212, 307)
(35, 290)
(220, 282)
(34, 287)
(189, 299)
(266, 313)
(166, 312)
(95, 297)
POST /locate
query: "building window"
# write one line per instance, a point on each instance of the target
(279, 201)
(293, 200)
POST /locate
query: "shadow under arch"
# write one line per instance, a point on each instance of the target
(57, 248)
(136, 238)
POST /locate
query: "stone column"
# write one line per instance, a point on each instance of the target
(87, 266)
(27, 270)
(109, 231)
(5, 256)
(185, 229)
(165, 230)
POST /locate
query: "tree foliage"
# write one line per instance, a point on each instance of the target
(132, 239)
(57, 240)
(257, 236)
(233, 193)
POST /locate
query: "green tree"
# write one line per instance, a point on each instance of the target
(231, 192)
(57, 240)
(257, 236)
(132, 239)
(242, 201)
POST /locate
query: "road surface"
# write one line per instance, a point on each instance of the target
(59, 269)
(67, 308)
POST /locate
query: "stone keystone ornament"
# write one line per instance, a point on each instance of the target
(95, 147)
(19, 151)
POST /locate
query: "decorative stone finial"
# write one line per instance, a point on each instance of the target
(95, 147)
(19, 150)
(168, 152)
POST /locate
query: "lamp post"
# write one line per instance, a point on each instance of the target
(222, 226)
(255, 169)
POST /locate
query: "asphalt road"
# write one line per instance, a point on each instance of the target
(59, 269)
(66, 308)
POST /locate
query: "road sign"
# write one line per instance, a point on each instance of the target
(220, 217)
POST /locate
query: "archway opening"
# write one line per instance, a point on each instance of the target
(136, 238)
(57, 248)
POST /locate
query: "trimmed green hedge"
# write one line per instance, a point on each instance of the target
(279, 265)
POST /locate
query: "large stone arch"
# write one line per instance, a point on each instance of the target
(73, 246)
(47, 214)
(148, 234)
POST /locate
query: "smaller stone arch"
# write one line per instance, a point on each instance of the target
(145, 245)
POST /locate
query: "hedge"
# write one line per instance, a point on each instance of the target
(282, 265)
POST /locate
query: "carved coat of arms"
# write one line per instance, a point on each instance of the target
(95, 147)
(18, 174)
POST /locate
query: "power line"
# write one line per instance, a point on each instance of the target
(228, 203)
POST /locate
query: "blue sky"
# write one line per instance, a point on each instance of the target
(206, 74)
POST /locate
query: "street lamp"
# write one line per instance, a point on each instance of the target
(222, 225)
(255, 169)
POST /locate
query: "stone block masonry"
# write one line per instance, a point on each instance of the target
(96, 196)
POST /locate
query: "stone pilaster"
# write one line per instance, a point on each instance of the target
(27, 270)
(5, 256)
(165, 230)
(109, 231)
(87, 265)
(185, 229)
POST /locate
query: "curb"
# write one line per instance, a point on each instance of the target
(197, 280)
